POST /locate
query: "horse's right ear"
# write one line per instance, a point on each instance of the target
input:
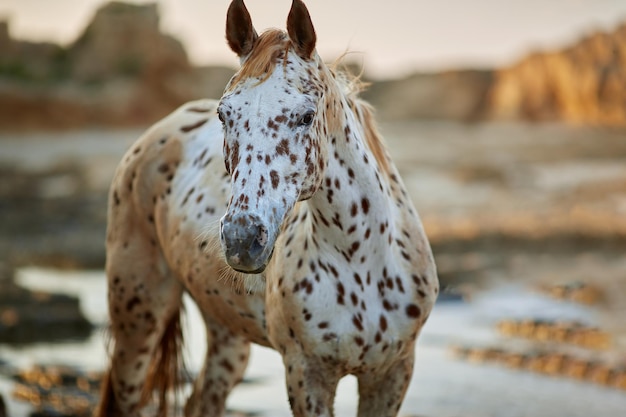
(239, 31)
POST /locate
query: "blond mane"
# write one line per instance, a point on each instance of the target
(373, 138)
(267, 50)
(351, 86)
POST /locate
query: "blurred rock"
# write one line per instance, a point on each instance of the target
(124, 39)
(584, 83)
(31, 317)
(30, 61)
(123, 71)
(456, 95)
(51, 218)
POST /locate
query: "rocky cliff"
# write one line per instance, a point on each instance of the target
(584, 83)
(125, 40)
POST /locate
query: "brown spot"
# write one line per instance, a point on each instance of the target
(356, 320)
(354, 210)
(189, 128)
(283, 147)
(383, 323)
(354, 298)
(413, 311)
(164, 168)
(365, 205)
(198, 110)
(329, 336)
(227, 365)
(387, 305)
(274, 178)
(132, 303)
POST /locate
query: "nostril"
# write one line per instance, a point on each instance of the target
(256, 249)
(262, 236)
(259, 242)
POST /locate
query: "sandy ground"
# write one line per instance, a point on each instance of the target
(508, 207)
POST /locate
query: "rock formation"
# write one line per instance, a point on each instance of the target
(125, 40)
(454, 95)
(584, 83)
(123, 71)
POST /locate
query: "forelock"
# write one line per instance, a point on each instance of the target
(266, 53)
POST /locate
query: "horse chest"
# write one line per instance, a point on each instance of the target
(344, 318)
(235, 309)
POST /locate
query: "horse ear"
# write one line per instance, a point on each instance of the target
(300, 29)
(239, 31)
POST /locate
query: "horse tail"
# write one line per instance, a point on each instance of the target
(167, 367)
(164, 375)
(106, 406)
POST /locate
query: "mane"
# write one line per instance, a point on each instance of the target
(351, 87)
(270, 46)
(373, 138)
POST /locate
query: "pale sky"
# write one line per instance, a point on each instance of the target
(392, 37)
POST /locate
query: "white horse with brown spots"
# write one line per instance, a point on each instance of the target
(279, 211)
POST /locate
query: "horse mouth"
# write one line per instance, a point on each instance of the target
(258, 270)
(245, 271)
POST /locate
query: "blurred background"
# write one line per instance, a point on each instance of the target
(507, 120)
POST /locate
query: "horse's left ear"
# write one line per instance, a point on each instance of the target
(300, 29)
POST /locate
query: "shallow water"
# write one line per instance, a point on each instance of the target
(441, 385)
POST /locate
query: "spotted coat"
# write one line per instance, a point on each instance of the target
(280, 212)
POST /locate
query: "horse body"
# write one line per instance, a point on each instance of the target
(322, 256)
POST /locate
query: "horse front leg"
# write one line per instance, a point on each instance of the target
(311, 386)
(381, 395)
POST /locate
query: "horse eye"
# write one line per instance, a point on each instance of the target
(306, 119)
(220, 116)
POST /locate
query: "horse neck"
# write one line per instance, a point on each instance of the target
(353, 200)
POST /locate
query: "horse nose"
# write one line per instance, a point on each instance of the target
(245, 240)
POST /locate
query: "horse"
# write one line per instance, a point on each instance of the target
(279, 210)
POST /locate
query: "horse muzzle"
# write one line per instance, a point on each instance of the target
(248, 244)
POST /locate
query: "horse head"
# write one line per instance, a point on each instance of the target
(273, 114)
